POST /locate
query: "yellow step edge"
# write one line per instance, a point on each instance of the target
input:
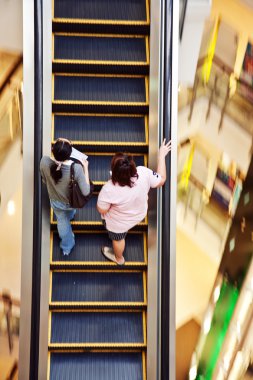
(144, 326)
(102, 35)
(99, 351)
(97, 345)
(98, 311)
(97, 264)
(98, 114)
(144, 281)
(91, 62)
(103, 154)
(144, 366)
(48, 364)
(101, 232)
(96, 304)
(83, 223)
(99, 75)
(49, 327)
(95, 223)
(99, 21)
(100, 103)
(107, 143)
(98, 271)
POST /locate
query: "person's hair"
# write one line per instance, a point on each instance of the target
(61, 150)
(123, 170)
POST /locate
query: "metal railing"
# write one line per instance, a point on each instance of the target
(195, 194)
(225, 90)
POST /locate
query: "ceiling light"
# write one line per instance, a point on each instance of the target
(216, 293)
(193, 372)
(207, 324)
(11, 208)
(226, 362)
(225, 160)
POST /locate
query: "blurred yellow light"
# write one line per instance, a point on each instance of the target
(11, 208)
(193, 372)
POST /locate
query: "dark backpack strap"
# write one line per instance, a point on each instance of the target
(72, 172)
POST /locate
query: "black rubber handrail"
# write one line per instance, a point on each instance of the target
(37, 204)
(166, 206)
(182, 19)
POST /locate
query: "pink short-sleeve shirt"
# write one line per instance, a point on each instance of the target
(127, 205)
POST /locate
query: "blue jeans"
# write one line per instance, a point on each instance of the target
(64, 213)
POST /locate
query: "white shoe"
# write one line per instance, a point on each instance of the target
(109, 255)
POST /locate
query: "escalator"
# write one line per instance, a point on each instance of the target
(97, 310)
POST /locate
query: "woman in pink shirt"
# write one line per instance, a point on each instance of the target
(123, 200)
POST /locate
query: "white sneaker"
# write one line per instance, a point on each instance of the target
(109, 255)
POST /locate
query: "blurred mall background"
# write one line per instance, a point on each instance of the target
(214, 276)
(11, 44)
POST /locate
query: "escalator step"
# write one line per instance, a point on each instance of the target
(97, 287)
(101, 133)
(97, 329)
(97, 366)
(90, 48)
(99, 67)
(100, 129)
(99, 89)
(100, 165)
(87, 214)
(89, 217)
(88, 249)
(100, 94)
(128, 10)
(63, 25)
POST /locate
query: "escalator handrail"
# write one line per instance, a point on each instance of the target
(37, 205)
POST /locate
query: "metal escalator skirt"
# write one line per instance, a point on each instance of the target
(106, 89)
(97, 327)
(96, 366)
(88, 248)
(128, 10)
(100, 49)
(102, 129)
(97, 287)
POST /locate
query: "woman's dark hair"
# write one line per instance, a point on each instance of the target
(123, 169)
(61, 150)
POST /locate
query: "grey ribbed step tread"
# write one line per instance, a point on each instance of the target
(69, 286)
(100, 166)
(91, 48)
(89, 216)
(99, 89)
(89, 213)
(88, 248)
(128, 10)
(97, 327)
(100, 129)
(97, 366)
